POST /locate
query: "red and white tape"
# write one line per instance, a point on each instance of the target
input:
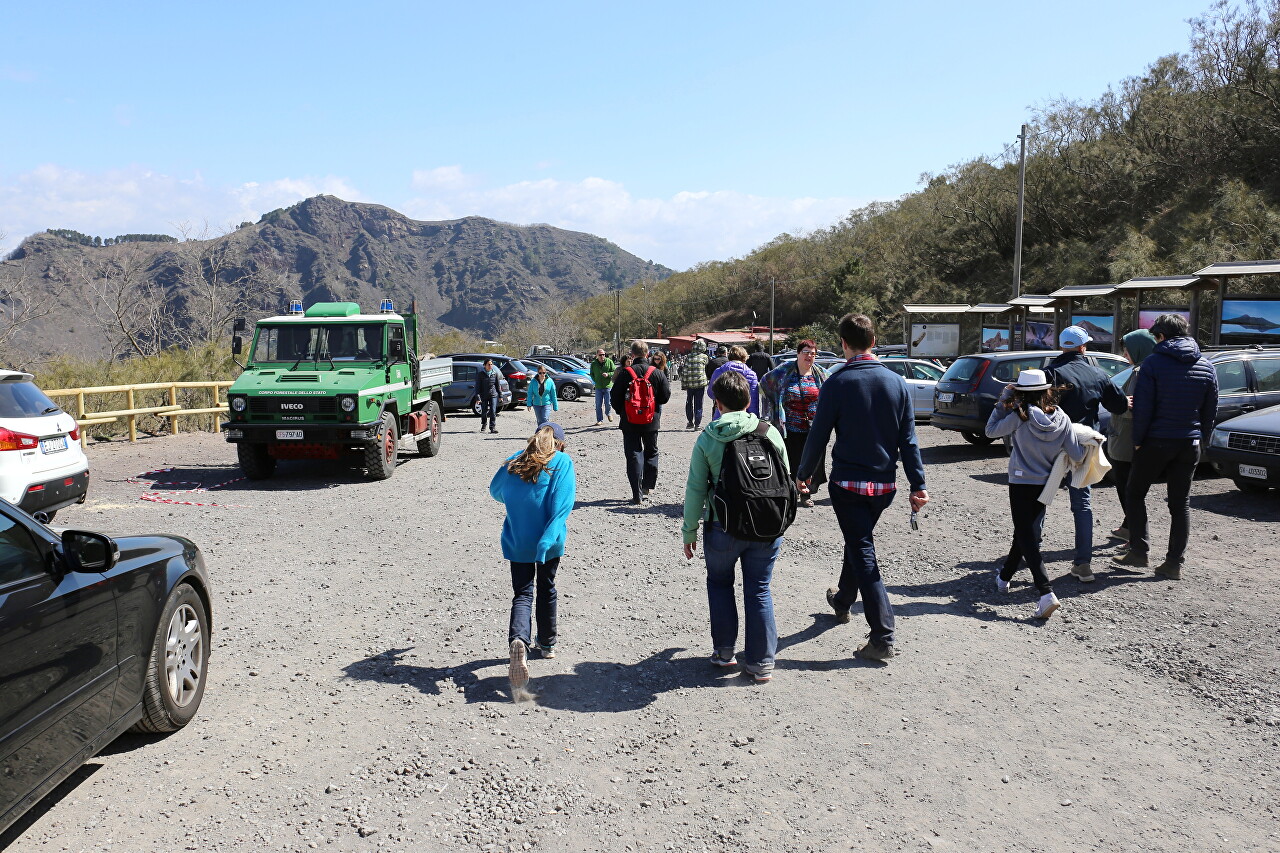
(168, 496)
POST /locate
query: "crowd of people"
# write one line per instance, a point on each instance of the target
(765, 449)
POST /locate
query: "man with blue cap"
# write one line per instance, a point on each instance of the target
(1084, 386)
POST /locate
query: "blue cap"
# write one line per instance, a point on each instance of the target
(556, 430)
(1072, 337)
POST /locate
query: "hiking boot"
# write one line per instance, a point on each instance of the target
(1169, 570)
(1131, 560)
(874, 652)
(1121, 533)
(1048, 605)
(689, 425)
(1083, 572)
(518, 670)
(842, 613)
(723, 658)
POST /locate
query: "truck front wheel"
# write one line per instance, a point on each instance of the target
(255, 461)
(430, 445)
(380, 455)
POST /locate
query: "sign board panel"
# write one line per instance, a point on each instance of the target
(1101, 327)
(995, 339)
(1250, 321)
(934, 340)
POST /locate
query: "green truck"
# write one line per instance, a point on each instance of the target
(333, 383)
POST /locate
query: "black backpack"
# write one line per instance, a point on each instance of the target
(755, 498)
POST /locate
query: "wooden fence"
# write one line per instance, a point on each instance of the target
(179, 399)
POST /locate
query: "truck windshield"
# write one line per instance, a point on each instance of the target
(319, 342)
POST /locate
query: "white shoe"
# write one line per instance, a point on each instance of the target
(1048, 604)
(1002, 585)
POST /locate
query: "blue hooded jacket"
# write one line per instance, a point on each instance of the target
(534, 530)
(1176, 395)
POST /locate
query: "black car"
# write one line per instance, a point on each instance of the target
(1248, 379)
(1247, 449)
(97, 636)
(966, 393)
(461, 392)
(569, 385)
(515, 372)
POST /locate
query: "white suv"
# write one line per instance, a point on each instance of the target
(42, 466)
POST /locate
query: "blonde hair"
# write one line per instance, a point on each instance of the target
(737, 354)
(528, 466)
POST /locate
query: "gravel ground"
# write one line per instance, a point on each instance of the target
(358, 700)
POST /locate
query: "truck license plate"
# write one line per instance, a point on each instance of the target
(1255, 471)
(287, 434)
(945, 397)
(53, 445)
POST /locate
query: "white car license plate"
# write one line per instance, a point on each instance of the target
(945, 397)
(288, 434)
(1253, 471)
(53, 445)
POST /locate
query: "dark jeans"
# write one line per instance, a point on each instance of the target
(693, 405)
(1028, 524)
(1120, 476)
(857, 515)
(489, 411)
(795, 442)
(523, 576)
(1176, 460)
(641, 449)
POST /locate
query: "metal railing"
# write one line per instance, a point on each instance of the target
(146, 392)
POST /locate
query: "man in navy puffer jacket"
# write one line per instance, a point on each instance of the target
(1174, 403)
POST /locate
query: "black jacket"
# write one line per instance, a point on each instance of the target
(1176, 395)
(618, 397)
(486, 386)
(760, 362)
(715, 364)
(1090, 387)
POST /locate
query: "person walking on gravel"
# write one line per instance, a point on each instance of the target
(601, 371)
(718, 358)
(1038, 431)
(789, 394)
(640, 428)
(693, 379)
(737, 362)
(1085, 387)
(538, 487)
(489, 390)
(759, 361)
(724, 551)
(1175, 400)
(869, 407)
(543, 397)
(1138, 344)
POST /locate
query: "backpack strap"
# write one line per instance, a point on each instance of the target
(762, 429)
(647, 373)
(632, 372)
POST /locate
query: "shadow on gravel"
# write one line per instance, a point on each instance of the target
(949, 453)
(999, 478)
(1233, 504)
(389, 668)
(129, 741)
(624, 506)
(51, 799)
(290, 476)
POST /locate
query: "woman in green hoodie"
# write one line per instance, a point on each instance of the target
(723, 552)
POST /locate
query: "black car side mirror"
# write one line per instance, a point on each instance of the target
(84, 551)
(237, 344)
(397, 350)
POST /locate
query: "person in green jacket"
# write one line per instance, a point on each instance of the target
(602, 370)
(723, 552)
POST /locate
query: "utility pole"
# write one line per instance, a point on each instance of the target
(1017, 239)
(772, 283)
(617, 317)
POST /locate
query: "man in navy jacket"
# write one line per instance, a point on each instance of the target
(1175, 400)
(869, 407)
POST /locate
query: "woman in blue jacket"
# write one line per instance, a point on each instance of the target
(538, 487)
(542, 397)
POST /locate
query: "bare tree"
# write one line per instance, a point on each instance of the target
(22, 301)
(217, 281)
(132, 310)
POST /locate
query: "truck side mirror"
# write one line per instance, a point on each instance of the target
(239, 325)
(237, 344)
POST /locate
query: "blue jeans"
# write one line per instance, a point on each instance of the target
(542, 413)
(1082, 513)
(860, 573)
(722, 554)
(524, 578)
(602, 400)
(693, 406)
(489, 407)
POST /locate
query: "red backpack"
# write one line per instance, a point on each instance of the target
(640, 404)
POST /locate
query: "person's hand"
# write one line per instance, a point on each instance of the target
(689, 549)
(918, 500)
(1130, 399)
(802, 486)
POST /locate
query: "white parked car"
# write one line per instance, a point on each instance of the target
(921, 378)
(42, 466)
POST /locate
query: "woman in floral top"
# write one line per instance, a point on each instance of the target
(791, 392)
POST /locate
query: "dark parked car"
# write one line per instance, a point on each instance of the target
(1247, 449)
(1248, 379)
(570, 385)
(516, 374)
(461, 392)
(966, 393)
(97, 636)
(565, 363)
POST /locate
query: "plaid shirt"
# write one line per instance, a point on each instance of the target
(865, 487)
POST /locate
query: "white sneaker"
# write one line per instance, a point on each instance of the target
(1048, 604)
(1001, 584)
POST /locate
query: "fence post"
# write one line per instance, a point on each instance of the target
(133, 419)
(173, 401)
(84, 438)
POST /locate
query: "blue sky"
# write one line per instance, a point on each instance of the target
(684, 132)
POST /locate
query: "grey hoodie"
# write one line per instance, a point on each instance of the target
(1036, 442)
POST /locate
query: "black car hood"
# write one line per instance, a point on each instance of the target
(1265, 421)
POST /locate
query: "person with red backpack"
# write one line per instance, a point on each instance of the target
(638, 390)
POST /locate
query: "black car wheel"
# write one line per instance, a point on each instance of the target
(179, 663)
(255, 461)
(569, 392)
(977, 438)
(430, 445)
(380, 454)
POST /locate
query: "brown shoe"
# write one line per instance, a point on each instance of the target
(872, 652)
(842, 613)
(1170, 571)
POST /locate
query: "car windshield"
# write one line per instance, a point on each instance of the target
(517, 367)
(294, 342)
(22, 399)
(963, 369)
(929, 371)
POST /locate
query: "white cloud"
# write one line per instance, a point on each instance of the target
(678, 231)
(137, 200)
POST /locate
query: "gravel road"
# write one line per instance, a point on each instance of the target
(358, 698)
